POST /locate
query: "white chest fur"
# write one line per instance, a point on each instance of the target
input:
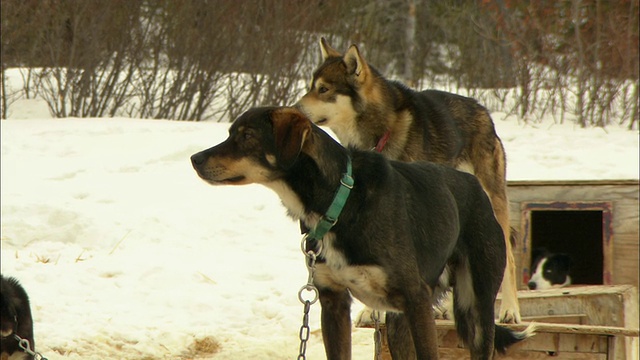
(366, 283)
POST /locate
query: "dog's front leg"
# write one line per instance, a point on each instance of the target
(419, 314)
(336, 323)
(399, 337)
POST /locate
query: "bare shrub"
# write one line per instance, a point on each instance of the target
(211, 59)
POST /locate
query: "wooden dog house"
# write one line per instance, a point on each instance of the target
(595, 222)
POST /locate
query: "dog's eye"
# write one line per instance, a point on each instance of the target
(247, 135)
(322, 89)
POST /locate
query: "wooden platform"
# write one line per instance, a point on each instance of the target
(562, 341)
(582, 323)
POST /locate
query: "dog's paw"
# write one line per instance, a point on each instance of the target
(444, 308)
(365, 318)
(509, 308)
(509, 317)
(440, 314)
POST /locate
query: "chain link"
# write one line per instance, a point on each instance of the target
(26, 347)
(377, 334)
(304, 331)
(310, 261)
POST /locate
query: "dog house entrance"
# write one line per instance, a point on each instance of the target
(581, 230)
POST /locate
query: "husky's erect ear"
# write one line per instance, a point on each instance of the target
(327, 51)
(355, 63)
(290, 128)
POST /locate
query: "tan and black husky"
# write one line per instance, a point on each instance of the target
(367, 111)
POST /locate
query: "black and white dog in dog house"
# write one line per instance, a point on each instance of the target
(549, 270)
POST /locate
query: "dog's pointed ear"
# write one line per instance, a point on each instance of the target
(326, 50)
(355, 63)
(291, 128)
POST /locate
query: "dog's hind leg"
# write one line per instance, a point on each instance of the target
(509, 307)
(335, 320)
(490, 168)
(399, 337)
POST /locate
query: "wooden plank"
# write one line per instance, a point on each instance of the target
(627, 242)
(630, 308)
(563, 343)
(575, 291)
(463, 354)
(608, 241)
(626, 214)
(545, 341)
(626, 182)
(571, 193)
(582, 290)
(604, 310)
(579, 319)
(533, 355)
(627, 259)
(586, 329)
(559, 328)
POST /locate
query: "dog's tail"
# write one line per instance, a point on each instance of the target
(506, 337)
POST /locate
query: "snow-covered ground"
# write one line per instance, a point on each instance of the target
(127, 254)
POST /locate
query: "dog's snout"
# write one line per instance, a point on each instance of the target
(531, 285)
(198, 159)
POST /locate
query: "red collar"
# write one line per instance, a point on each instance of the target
(383, 141)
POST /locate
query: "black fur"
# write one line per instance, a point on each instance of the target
(15, 316)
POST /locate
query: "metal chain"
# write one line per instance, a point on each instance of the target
(304, 331)
(377, 334)
(26, 347)
(310, 261)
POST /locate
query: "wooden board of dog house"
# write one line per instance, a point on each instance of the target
(580, 322)
(560, 341)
